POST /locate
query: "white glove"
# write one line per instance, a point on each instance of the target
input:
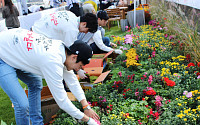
(81, 74)
(92, 122)
(118, 51)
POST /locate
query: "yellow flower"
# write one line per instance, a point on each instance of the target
(179, 104)
(185, 119)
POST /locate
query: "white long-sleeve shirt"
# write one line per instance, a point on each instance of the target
(97, 39)
(60, 25)
(35, 53)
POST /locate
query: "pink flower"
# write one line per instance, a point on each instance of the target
(171, 37)
(136, 93)
(139, 122)
(198, 77)
(137, 26)
(136, 58)
(126, 27)
(128, 39)
(165, 28)
(158, 103)
(158, 98)
(149, 88)
(120, 74)
(150, 79)
(187, 94)
(158, 73)
(166, 35)
(153, 53)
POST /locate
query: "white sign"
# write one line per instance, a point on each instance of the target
(191, 3)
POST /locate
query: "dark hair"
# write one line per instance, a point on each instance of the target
(81, 49)
(41, 7)
(9, 3)
(91, 21)
(102, 15)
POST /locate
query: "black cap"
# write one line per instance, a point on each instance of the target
(83, 51)
(102, 15)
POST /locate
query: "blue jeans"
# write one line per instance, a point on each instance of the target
(96, 49)
(23, 106)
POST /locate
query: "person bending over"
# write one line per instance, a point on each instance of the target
(65, 26)
(21, 49)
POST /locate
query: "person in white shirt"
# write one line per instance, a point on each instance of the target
(65, 26)
(25, 50)
(50, 3)
(35, 8)
(97, 41)
(74, 7)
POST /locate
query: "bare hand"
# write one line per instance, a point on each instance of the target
(91, 113)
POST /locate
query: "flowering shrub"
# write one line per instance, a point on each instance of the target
(152, 82)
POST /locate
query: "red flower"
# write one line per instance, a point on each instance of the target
(156, 115)
(198, 64)
(151, 112)
(143, 99)
(188, 57)
(126, 115)
(198, 73)
(151, 92)
(169, 82)
(191, 64)
(94, 104)
(165, 18)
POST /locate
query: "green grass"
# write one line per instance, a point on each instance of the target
(114, 30)
(7, 112)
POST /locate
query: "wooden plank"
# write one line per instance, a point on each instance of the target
(94, 71)
(102, 77)
(94, 63)
(46, 94)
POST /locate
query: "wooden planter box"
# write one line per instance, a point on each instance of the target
(49, 106)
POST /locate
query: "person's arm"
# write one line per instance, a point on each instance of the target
(99, 42)
(53, 74)
(74, 86)
(3, 13)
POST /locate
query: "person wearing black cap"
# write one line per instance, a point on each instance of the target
(24, 50)
(97, 41)
(65, 26)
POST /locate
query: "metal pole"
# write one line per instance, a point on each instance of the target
(134, 13)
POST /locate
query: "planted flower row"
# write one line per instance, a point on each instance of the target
(152, 82)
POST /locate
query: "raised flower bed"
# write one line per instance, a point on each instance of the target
(152, 83)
